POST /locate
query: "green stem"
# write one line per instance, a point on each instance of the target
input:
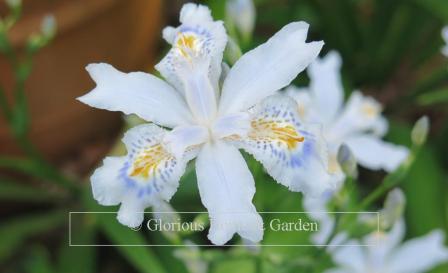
(19, 125)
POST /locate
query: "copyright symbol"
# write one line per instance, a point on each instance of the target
(136, 228)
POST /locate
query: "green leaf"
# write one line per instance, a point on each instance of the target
(38, 261)
(14, 232)
(234, 266)
(74, 259)
(438, 7)
(26, 166)
(218, 9)
(18, 192)
(39, 169)
(433, 97)
(140, 257)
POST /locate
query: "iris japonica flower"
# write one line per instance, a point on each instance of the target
(359, 123)
(210, 119)
(384, 252)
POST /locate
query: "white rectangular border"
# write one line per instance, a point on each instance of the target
(212, 245)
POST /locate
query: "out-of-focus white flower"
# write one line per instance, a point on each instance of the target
(316, 208)
(445, 38)
(359, 123)
(211, 125)
(165, 213)
(385, 254)
(242, 14)
(191, 257)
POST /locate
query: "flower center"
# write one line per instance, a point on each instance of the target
(187, 44)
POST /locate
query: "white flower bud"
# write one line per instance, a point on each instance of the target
(420, 131)
(191, 257)
(232, 51)
(347, 161)
(242, 14)
(393, 208)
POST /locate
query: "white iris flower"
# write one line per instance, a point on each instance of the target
(211, 123)
(385, 254)
(359, 123)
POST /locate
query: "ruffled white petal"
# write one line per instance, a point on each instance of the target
(374, 153)
(131, 212)
(195, 14)
(268, 68)
(136, 93)
(107, 188)
(169, 34)
(197, 36)
(293, 153)
(227, 187)
(142, 178)
(326, 86)
(420, 254)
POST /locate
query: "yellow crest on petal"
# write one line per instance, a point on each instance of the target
(277, 131)
(146, 162)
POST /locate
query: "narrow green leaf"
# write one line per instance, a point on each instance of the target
(438, 7)
(79, 259)
(38, 169)
(140, 257)
(433, 97)
(14, 232)
(14, 191)
(38, 261)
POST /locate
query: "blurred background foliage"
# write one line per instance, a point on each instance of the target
(390, 50)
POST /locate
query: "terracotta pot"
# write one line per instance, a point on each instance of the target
(124, 33)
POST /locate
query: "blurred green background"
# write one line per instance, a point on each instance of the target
(50, 143)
